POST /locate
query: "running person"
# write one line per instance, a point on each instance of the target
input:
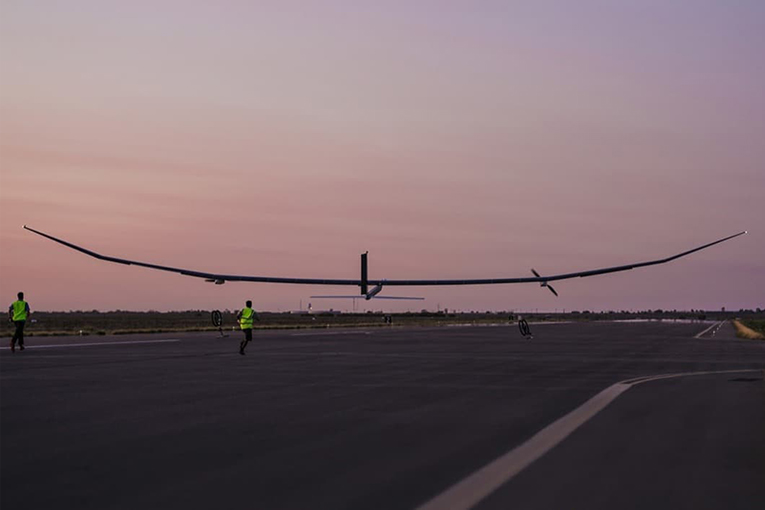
(18, 313)
(245, 318)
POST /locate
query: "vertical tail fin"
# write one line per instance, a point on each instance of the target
(364, 276)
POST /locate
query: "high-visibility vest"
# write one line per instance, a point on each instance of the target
(247, 315)
(19, 310)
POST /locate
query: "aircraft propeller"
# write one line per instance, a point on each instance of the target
(544, 284)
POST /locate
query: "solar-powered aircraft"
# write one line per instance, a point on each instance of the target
(370, 287)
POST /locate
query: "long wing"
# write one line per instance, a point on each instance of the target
(220, 278)
(212, 277)
(563, 276)
(362, 296)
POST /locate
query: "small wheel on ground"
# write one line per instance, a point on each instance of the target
(217, 318)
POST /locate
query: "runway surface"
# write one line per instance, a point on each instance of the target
(384, 418)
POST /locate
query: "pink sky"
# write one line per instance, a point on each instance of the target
(448, 139)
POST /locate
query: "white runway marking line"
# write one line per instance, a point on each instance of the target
(473, 489)
(54, 346)
(718, 324)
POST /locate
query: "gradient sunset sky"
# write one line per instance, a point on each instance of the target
(450, 139)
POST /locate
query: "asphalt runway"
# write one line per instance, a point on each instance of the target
(386, 418)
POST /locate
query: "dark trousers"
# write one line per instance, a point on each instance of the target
(19, 334)
(247, 338)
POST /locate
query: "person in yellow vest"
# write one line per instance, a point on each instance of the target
(245, 318)
(18, 313)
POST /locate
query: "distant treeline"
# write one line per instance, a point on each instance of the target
(124, 322)
(756, 324)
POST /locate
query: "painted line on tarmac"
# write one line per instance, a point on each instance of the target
(707, 330)
(59, 346)
(470, 491)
